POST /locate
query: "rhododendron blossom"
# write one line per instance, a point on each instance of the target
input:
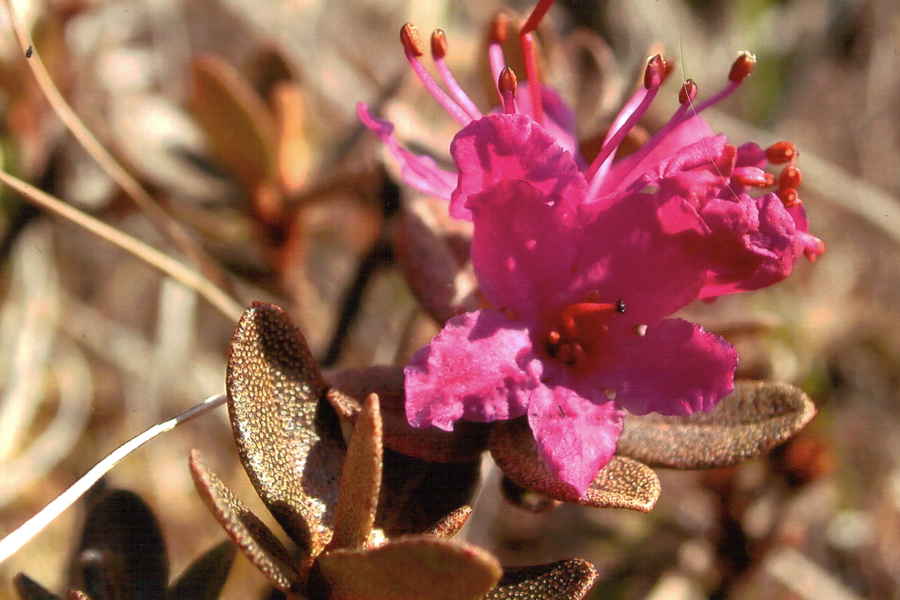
(582, 262)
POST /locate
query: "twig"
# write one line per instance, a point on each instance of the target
(132, 188)
(227, 305)
(18, 538)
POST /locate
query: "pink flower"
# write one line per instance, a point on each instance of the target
(755, 238)
(582, 263)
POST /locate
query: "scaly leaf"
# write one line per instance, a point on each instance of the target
(360, 480)
(205, 577)
(289, 443)
(250, 534)
(622, 483)
(756, 417)
(348, 388)
(413, 568)
(563, 580)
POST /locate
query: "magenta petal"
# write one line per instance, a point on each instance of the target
(420, 172)
(575, 436)
(648, 250)
(753, 244)
(499, 147)
(523, 245)
(480, 367)
(676, 368)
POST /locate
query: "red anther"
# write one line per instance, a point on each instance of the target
(536, 15)
(753, 177)
(688, 91)
(553, 337)
(508, 82)
(790, 177)
(781, 152)
(742, 67)
(789, 197)
(409, 35)
(499, 29)
(438, 43)
(653, 74)
(668, 68)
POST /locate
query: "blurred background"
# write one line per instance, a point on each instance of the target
(238, 118)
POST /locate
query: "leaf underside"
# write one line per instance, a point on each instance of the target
(622, 483)
(289, 442)
(756, 417)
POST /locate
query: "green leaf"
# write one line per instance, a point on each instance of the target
(205, 577)
(289, 443)
(563, 580)
(360, 480)
(756, 417)
(250, 534)
(622, 483)
(413, 568)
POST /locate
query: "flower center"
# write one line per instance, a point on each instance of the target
(577, 338)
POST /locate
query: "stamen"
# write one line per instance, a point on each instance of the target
(653, 76)
(790, 177)
(508, 85)
(789, 197)
(752, 177)
(412, 46)
(781, 152)
(438, 52)
(742, 67)
(497, 37)
(529, 51)
(686, 97)
(573, 311)
(740, 70)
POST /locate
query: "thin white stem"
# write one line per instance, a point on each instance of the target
(227, 305)
(18, 538)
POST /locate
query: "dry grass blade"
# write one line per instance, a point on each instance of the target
(171, 267)
(756, 417)
(157, 215)
(18, 538)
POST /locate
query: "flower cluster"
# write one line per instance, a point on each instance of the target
(582, 262)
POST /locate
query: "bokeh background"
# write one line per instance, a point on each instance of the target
(238, 118)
